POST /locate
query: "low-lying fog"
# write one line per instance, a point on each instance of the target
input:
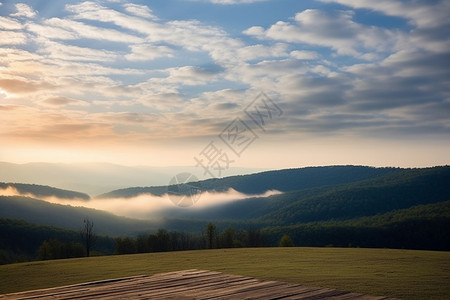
(146, 206)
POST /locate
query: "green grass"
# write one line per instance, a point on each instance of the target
(404, 274)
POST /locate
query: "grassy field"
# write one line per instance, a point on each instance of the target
(404, 274)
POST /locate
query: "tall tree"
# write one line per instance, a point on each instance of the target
(88, 235)
(210, 235)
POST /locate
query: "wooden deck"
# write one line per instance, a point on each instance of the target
(188, 284)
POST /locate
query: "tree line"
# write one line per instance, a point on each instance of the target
(210, 238)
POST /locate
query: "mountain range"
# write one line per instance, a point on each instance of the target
(316, 206)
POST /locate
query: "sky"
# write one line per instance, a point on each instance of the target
(217, 84)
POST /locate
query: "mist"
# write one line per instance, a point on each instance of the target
(146, 206)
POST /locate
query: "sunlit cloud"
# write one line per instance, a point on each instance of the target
(126, 75)
(10, 24)
(23, 10)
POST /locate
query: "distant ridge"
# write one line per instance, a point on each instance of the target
(45, 191)
(282, 180)
(338, 205)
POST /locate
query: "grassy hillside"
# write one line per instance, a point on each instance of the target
(405, 274)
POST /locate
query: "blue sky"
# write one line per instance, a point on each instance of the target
(154, 82)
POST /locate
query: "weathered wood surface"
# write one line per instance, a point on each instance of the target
(189, 284)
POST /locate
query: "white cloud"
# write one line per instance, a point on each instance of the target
(191, 34)
(257, 31)
(80, 30)
(336, 30)
(139, 10)
(12, 38)
(94, 11)
(23, 10)
(261, 51)
(188, 75)
(64, 52)
(148, 52)
(157, 99)
(306, 55)
(147, 205)
(51, 32)
(423, 13)
(9, 24)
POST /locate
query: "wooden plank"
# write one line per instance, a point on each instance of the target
(188, 290)
(188, 284)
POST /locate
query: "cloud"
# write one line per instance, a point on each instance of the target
(306, 55)
(139, 10)
(70, 29)
(189, 75)
(148, 52)
(12, 191)
(10, 24)
(118, 74)
(66, 53)
(431, 25)
(22, 87)
(146, 206)
(334, 29)
(93, 11)
(23, 10)
(260, 51)
(12, 38)
(191, 34)
(422, 13)
(58, 101)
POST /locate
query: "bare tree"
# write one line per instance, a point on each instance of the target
(88, 235)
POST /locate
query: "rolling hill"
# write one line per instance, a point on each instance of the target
(282, 180)
(44, 191)
(69, 217)
(339, 205)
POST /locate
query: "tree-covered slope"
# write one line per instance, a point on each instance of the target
(282, 180)
(404, 189)
(66, 216)
(389, 208)
(20, 240)
(401, 188)
(44, 191)
(418, 227)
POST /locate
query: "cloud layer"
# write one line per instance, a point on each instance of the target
(106, 73)
(146, 206)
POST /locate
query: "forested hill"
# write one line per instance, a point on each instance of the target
(360, 206)
(69, 217)
(398, 189)
(282, 180)
(44, 191)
